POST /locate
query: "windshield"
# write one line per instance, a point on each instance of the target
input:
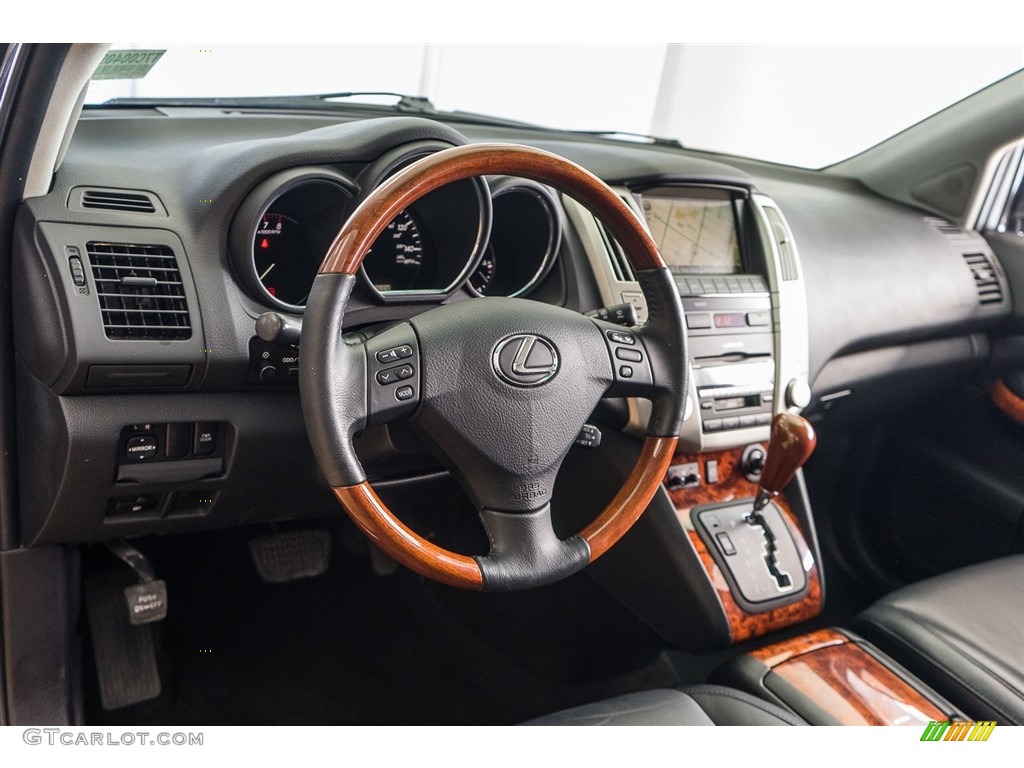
(808, 106)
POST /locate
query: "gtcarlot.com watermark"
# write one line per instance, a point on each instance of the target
(54, 737)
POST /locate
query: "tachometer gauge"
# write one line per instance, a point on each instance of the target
(395, 262)
(282, 230)
(279, 248)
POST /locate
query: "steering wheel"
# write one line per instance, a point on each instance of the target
(499, 387)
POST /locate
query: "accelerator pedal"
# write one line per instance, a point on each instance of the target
(292, 555)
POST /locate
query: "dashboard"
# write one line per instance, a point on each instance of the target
(145, 273)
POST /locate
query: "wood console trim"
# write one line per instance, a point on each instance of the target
(848, 683)
(776, 653)
(732, 485)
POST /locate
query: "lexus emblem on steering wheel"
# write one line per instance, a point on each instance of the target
(525, 360)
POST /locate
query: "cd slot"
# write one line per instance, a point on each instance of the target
(735, 403)
(737, 395)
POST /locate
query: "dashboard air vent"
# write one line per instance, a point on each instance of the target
(621, 267)
(990, 291)
(117, 200)
(140, 291)
(784, 241)
(947, 228)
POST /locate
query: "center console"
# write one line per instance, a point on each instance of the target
(727, 552)
(715, 241)
(739, 278)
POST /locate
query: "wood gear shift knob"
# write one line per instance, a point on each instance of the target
(792, 443)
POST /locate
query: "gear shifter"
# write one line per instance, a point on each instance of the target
(792, 443)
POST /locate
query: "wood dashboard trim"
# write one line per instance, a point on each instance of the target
(733, 485)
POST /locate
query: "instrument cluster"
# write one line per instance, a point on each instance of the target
(498, 236)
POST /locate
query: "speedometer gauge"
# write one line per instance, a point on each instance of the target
(395, 262)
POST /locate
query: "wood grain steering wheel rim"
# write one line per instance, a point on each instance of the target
(344, 258)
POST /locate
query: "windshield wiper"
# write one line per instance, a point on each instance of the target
(404, 102)
(640, 138)
(419, 105)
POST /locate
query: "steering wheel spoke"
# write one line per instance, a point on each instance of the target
(525, 552)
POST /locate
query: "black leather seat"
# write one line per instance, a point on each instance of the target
(697, 705)
(963, 634)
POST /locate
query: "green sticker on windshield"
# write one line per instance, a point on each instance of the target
(126, 65)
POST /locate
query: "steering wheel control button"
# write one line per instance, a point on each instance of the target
(204, 440)
(589, 437)
(141, 447)
(635, 378)
(620, 314)
(622, 338)
(392, 358)
(525, 360)
(394, 375)
(629, 355)
(394, 354)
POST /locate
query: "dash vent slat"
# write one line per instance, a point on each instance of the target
(621, 267)
(140, 291)
(784, 242)
(986, 280)
(117, 200)
(947, 228)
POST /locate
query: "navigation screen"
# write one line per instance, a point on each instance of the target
(694, 235)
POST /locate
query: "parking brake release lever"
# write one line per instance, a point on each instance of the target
(792, 443)
(147, 600)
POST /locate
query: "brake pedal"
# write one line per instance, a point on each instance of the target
(292, 555)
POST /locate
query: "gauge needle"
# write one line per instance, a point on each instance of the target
(264, 275)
